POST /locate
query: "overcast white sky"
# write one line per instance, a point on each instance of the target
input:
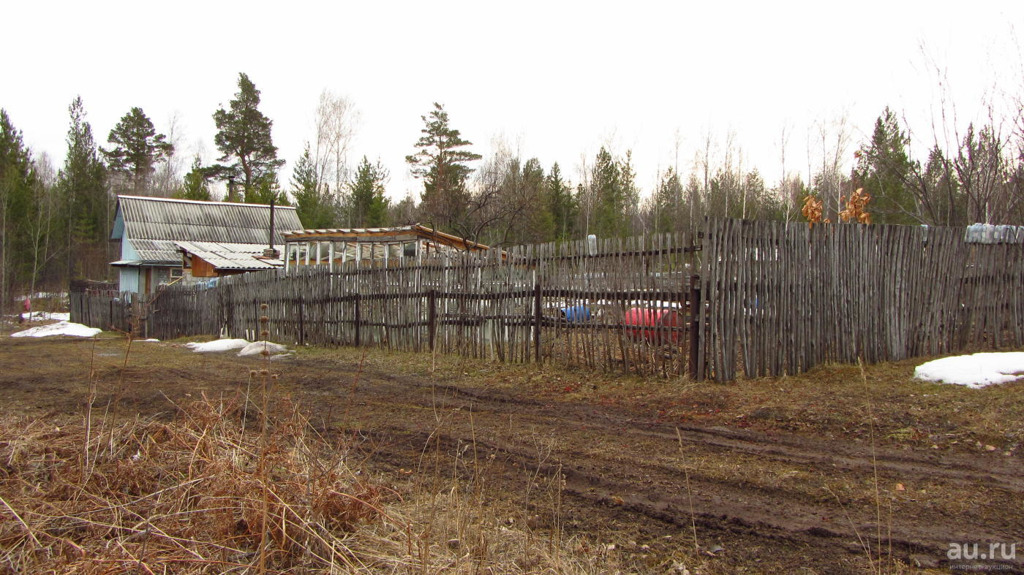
(555, 80)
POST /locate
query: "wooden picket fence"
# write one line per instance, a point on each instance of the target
(757, 298)
(784, 298)
(611, 304)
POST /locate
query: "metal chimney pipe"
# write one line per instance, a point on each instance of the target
(270, 252)
(271, 245)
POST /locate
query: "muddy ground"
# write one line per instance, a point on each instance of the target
(836, 471)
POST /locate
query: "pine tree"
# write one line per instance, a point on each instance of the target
(442, 165)
(369, 204)
(314, 208)
(522, 213)
(17, 180)
(266, 190)
(883, 169)
(562, 205)
(243, 135)
(614, 195)
(667, 204)
(82, 183)
(136, 152)
(195, 185)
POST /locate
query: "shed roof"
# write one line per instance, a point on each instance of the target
(403, 233)
(229, 256)
(153, 225)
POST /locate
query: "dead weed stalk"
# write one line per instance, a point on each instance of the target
(196, 495)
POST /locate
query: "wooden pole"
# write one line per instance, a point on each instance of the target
(537, 317)
(695, 305)
(431, 317)
(357, 318)
(302, 320)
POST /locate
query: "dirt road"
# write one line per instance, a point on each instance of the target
(781, 501)
(616, 473)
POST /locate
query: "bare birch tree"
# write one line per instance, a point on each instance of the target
(336, 123)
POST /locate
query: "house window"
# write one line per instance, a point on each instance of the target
(177, 273)
(161, 276)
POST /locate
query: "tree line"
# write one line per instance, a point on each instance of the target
(55, 223)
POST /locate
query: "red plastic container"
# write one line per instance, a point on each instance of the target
(644, 323)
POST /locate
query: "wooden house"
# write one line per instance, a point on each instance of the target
(166, 240)
(369, 246)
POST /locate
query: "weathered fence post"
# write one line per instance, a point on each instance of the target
(302, 321)
(431, 317)
(537, 317)
(695, 305)
(357, 319)
(255, 320)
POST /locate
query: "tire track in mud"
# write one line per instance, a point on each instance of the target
(645, 470)
(658, 492)
(994, 471)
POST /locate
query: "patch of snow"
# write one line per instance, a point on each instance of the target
(257, 347)
(59, 328)
(150, 340)
(217, 345)
(975, 371)
(45, 316)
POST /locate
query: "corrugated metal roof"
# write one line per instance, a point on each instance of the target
(162, 220)
(155, 251)
(232, 256)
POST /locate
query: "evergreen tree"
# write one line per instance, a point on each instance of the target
(369, 204)
(136, 152)
(561, 204)
(403, 213)
(442, 165)
(538, 225)
(938, 192)
(17, 181)
(667, 204)
(243, 137)
(312, 204)
(984, 175)
(883, 170)
(82, 183)
(266, 190)
(195, 185)
(761, 202)
(614, 195)
(509, 206)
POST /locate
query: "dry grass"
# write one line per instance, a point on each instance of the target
(245, 484)
(186, 496)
